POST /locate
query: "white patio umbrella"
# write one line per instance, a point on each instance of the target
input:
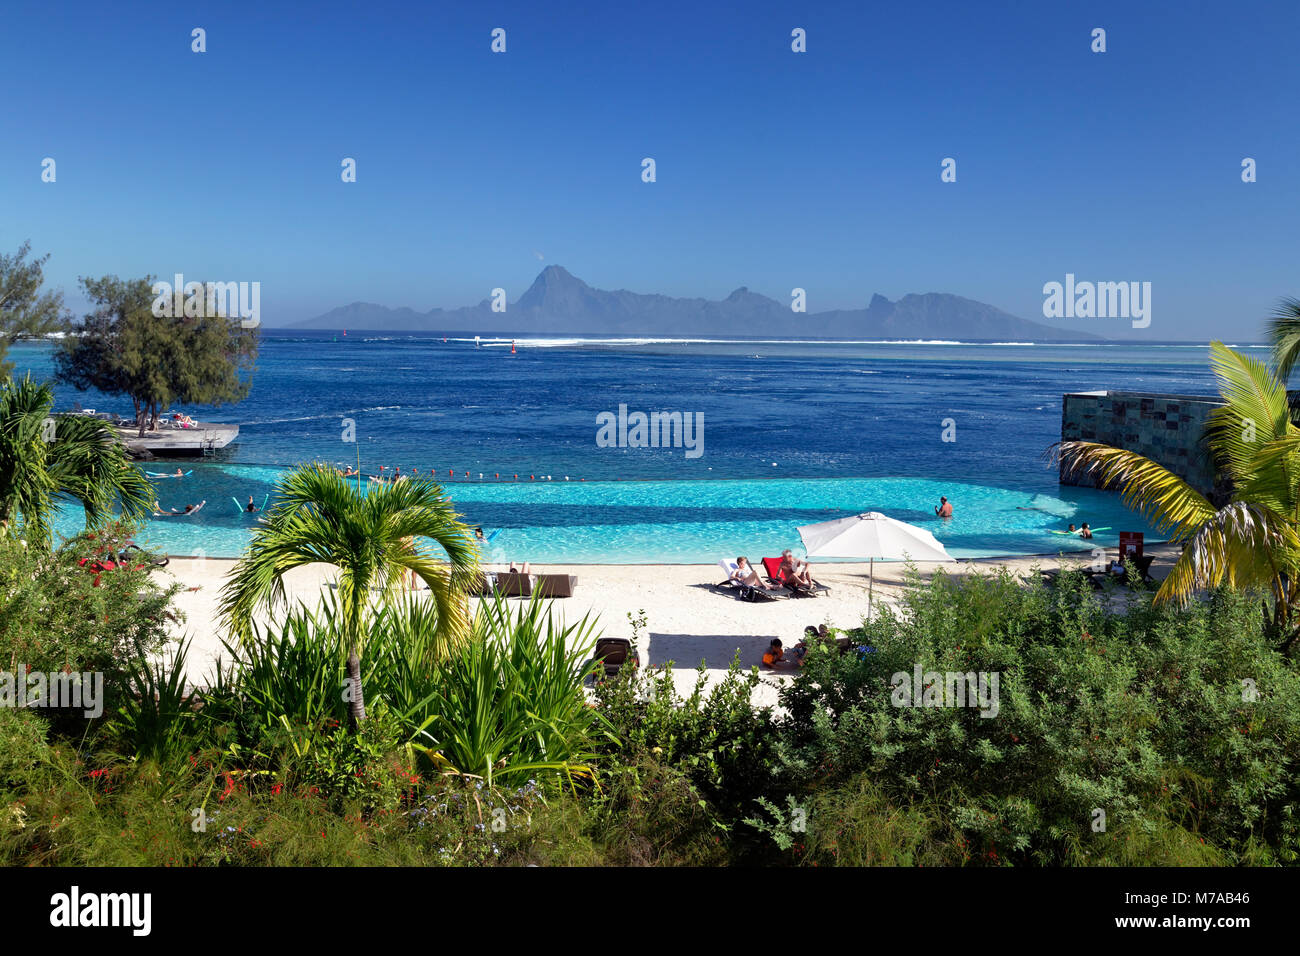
(871, 535)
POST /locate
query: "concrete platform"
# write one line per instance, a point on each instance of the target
(203, 438)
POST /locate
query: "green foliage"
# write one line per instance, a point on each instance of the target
(505, 706)
(158, 711)
(1139, 715)
(24, 310)
(57, 613)
(122, 348)
(510, 704)
(724, 745)
(318, 516)
(1250, 541)
(44, 460)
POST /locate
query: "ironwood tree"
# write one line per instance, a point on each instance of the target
(25, 311)
(123, 348)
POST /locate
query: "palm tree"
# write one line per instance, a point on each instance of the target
(73, 457)
(1284, 330)
(1251, 541)
(318, 516)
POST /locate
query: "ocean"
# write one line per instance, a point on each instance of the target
(791, 432)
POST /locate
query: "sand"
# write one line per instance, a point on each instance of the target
(686, 621)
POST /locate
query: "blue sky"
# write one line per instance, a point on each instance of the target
(775, 169)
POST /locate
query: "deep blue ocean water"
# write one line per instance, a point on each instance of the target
(794, 432)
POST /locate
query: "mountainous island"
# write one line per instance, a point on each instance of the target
(559, 302)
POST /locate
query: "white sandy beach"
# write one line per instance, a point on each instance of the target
(686, 621)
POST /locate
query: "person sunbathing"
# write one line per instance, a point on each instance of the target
(746, 574)
(795, 570)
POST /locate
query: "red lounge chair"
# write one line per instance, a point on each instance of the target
(774, 574)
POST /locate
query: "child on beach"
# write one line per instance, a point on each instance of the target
(774, 654)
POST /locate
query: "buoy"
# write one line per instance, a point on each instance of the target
(480, 474)
(512, 346)
(566, 477)
(532, 477)
(467, 474)
(451, 473)
(497, 475)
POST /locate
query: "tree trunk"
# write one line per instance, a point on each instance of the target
(356, 696)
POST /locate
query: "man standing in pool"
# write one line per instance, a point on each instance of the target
(944, 508)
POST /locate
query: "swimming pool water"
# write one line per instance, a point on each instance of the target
(671, 522)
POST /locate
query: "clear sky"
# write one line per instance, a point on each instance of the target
(775, 169)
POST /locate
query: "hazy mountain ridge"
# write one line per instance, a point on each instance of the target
(558, 301)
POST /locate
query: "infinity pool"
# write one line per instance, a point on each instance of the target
(671, 522)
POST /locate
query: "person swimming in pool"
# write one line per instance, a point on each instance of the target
(1085, 531)
(944, 508)
(189, 510)
(251, 507)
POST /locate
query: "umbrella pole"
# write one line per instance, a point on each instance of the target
(871, 585)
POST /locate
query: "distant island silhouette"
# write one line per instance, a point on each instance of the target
(558, 301)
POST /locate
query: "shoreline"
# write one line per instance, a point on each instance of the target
(687, 623)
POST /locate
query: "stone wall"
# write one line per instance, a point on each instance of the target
(1168, 429)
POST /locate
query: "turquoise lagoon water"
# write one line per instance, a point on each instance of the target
(848, 427)
(676, 522)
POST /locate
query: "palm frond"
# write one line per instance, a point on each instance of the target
(1165, 500)
(1284, 332)
(1242, 545)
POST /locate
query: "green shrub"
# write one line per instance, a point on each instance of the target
(56, 613)
(724, 746)
(1140, 716)
(506, 707)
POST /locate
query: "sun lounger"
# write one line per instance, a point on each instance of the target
(773, 568)
(555, 585)
(612, 653)
(514, 584)
(745, 592)
(728, 583)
